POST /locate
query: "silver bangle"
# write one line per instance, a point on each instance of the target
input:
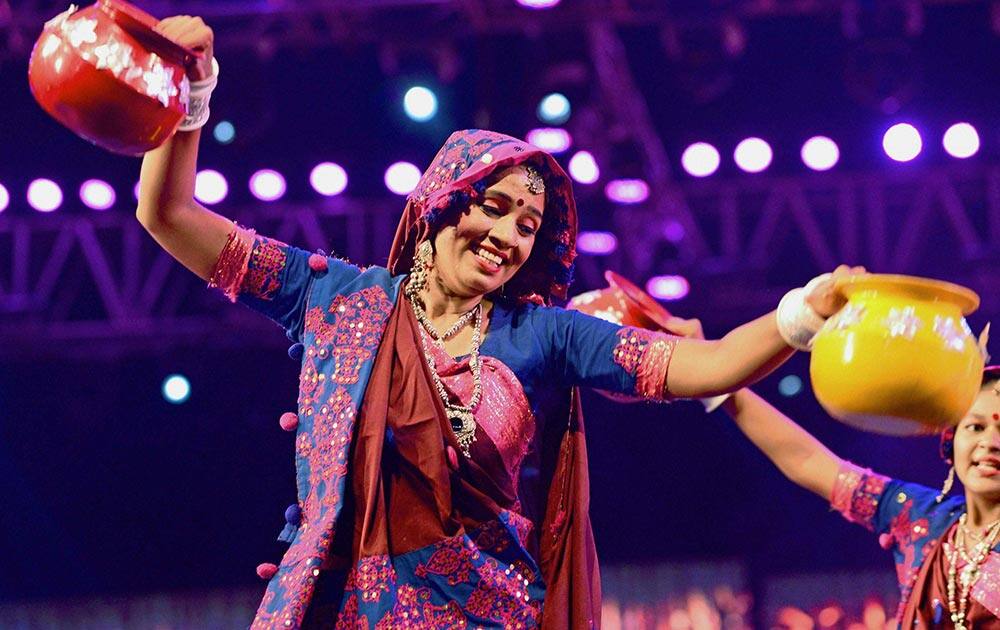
(797, 322)
(199, 95)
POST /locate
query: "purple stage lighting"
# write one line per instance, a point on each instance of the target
(538, 4)
(402, 177)
(44, 195)
(961, 140)
(268, 185)
(668, 287)
(596, 242)
(753, 155)
(328, 179)
(627, 190)
(820, 153)
(97, 194)
(902, 142)
(135, 190)
(673, 231)
(700, 159)
(551, 139)
(583, 168)
(4, 198)
(210, 187)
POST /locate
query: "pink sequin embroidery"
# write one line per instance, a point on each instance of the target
(263, 276)
(452, 559)
(856, 494)
(986, 590)
(504, 413)
(646, 355)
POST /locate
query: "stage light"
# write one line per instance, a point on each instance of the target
(627, 190)
(902, 142)
(224, 132)
(44, 195)
(402, 177)
(328, 179)
(551, 139)
(583, 167)
(135, 190)
(4, 198)
(753, 155)
(820, 153)
(596, 242)
(97, 194)
(554, 109)
(176, 389)
(673, 231)
(790, 385)
(668, 287)
(961, 140)
(420, 103)
(700, 159)
(538, 4)
(210, 187)
(268, 185)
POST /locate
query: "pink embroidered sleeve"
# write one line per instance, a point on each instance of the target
(646, 355)
(234, 259)
(856, 494)
(249, 264)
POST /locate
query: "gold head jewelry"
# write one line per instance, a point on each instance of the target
(535, 183)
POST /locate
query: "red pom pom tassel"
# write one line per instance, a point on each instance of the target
(288, 421)
(266, 570)
(318, 263)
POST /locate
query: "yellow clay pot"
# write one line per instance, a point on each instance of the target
(899, 358)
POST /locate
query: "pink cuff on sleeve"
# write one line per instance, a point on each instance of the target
(234, 259)
(856, 493)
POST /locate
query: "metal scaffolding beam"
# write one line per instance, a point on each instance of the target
(97, 284)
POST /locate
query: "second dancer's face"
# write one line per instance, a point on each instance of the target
(977, 446)
(491, 240)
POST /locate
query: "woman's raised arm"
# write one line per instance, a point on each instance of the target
(167, 208)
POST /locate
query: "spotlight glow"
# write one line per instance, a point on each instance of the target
(97, 194)
(268, 185)
(402, 177)
(554, 109)
(135, 190)
(176, 389)
(596, 242)
(961, 140)
(674, 231)
(538, 4)
(210, 187)
(902, 142)
(820, 153)
(328, 179)
(753, 155)
(790, 385)
(224, 132)
(44, 195)
(551, 139)
(700, 159)
(668, 287)
(420, 103)
(583, 167)
(4, 198)
(627, 190)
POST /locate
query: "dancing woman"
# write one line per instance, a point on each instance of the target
(946, 550)
(440, 457)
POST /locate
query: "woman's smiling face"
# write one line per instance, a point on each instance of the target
(487, 244)
(977, 445)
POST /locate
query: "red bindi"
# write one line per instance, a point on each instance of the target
(520, 202)
(996, 416)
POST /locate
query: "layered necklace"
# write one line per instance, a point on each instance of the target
(960, 583)
(462, 417)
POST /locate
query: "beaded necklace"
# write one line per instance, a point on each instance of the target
(961, 585)
(461, 417)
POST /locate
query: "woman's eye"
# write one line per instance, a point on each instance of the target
(490, 209)
(974, 426)
(526, 230)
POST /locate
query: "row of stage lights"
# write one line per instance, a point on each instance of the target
(902, 142)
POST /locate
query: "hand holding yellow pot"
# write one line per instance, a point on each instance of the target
(899, 358)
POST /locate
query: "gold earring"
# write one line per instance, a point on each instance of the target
(949, 481)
